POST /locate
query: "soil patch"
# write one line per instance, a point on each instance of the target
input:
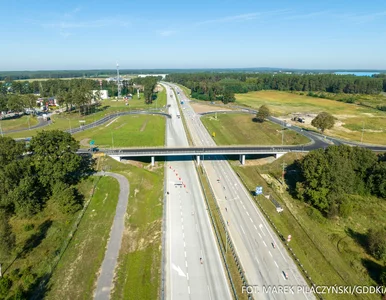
(202, 108)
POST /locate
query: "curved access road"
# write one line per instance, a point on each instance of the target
(106, 275)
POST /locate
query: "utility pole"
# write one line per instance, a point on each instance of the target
(282, 135)
(1, 129)
(363, 129)
(118, 82)
(112, 139)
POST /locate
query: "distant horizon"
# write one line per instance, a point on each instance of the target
(224, 68)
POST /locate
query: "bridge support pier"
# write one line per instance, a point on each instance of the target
(198, 160)
(277, 155)
(242, 159)
(152, 161)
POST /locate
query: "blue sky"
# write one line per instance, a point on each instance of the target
(48, 35)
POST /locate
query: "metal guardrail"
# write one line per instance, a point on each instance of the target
(228, 240)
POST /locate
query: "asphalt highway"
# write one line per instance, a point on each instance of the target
(264, 259)
(193, 266)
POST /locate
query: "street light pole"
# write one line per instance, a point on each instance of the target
(363, 128)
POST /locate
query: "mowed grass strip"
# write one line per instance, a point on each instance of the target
(76, 274)
(139, 264)
(18, 123)
(353, 117)
(126, 131)
(325, 248)
(240, 129)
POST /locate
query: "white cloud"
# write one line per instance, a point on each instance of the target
(166, 33)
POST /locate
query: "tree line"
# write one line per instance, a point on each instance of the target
(19, 95)
(207, 86)
(29, 181)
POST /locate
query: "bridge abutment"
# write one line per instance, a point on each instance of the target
(278, 155)
(116, 157)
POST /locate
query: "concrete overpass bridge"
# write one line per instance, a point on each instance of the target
(201, 152)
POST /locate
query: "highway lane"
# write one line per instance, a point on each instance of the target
(263, 257)
(189, 234)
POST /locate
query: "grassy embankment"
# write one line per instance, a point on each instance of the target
(233, 129)
(139, 263)
(77, 272)
(18, 123)
(65, 121)
(330, 250)
(38, 244)
(352, 117)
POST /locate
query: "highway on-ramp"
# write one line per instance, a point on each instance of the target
(193, 267)
(264, 259)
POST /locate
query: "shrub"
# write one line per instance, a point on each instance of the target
(5, 286)
(28, 227)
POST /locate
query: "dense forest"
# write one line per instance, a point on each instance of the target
(211, 86)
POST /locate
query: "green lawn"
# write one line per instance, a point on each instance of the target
(139, 271)
(126, 131)
(66, 121)
(76, 274)
(240, 129)
(329, 249)
(18, 123)
(352, 116)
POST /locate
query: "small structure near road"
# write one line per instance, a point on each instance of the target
(279, 209)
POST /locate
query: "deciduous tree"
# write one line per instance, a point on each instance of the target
(263, 113)
(323, 121)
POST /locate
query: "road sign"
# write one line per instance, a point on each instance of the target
(259, 190)
(289, 238)
(92, 142)
(214, 134)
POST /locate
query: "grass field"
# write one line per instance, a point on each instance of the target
(66, 121)
(329, 249)
(232, 129)
(39, 240)
(18, 123)
(126, 131)
(352, 116)
(76, 274)
(139, 270)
